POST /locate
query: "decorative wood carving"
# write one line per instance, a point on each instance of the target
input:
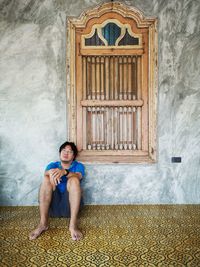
(112, 84)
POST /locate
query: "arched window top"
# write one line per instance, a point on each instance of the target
(112, 33)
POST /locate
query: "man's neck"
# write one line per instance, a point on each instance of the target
(66, 164)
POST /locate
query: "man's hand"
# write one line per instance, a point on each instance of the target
(55, 176)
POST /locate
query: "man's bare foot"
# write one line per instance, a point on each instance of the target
(75, 233)
(37, 232)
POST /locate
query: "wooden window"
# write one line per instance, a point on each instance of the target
(112, 85)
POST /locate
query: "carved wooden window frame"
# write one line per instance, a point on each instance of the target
(75, 27)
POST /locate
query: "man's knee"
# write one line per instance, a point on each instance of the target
(45, 190)
(45, 185)
(74, 181)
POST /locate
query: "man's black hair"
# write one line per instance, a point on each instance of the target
(73, 147)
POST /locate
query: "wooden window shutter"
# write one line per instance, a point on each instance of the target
(112, 96)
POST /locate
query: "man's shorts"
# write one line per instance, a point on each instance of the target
(60, 206)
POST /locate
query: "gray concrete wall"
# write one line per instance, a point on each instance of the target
(33, 104)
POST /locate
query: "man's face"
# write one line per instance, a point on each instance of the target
(67, 154)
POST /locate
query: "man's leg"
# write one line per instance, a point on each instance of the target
(74, 189)
(45, 196)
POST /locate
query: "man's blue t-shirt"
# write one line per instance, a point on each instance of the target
(75, 167)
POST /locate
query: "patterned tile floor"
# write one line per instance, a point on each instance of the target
(122, 235)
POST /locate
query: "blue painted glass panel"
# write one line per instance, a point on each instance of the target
(111, 32)
(129, 40)
(94, 40)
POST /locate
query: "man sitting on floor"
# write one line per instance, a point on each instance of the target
(60, 191)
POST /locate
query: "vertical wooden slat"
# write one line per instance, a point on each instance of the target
(134, 130)
(102, 74)
(129, 78)
(138, 77)
(112, 127)
(113, 74)
(93, 129)
(107, 78)
(104, 77)
(139, 133)
(95, 77)
(135, 85)
(124, 77)
(121, 128)
(102, 128)
(98, 78)
(99, 128)
(89, 81)
(92, 77)
(133, 125)
(115, 77)
(130, 128)
(96, 126)
(132, 77)
(89, 128)
(79, 96)
(118, 76)
(84, 77)
(121, 78)
(125, 127)
(115, 127)
(107, 128)
(84, 128)
(110, 77)
(144, 110)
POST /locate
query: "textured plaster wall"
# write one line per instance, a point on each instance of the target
(33, 104)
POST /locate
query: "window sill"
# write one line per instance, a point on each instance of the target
(100, 159)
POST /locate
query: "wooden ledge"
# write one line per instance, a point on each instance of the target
(115, 159)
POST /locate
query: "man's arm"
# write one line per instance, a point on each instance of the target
(56, 172)
(55, 176)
